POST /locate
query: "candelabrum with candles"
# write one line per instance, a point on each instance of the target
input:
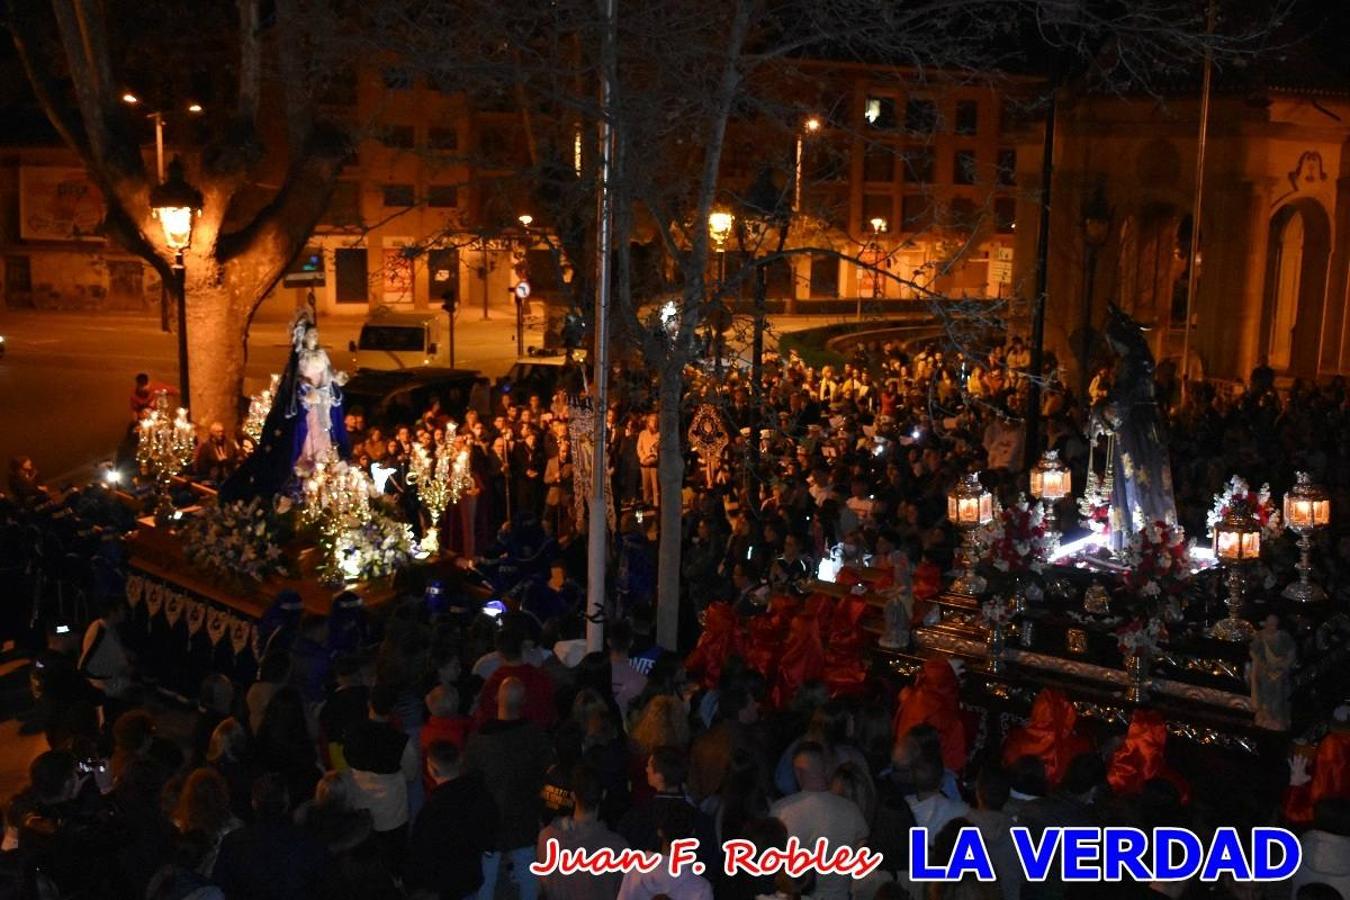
(259, 405)
(1307, 509)
(164, 448)
(336, 502)
(431, 472)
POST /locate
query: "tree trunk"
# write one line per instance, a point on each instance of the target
(216, 335)
(671, 476)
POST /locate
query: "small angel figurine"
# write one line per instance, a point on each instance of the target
(896, 614)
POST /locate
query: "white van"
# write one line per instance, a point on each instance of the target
(393, 340)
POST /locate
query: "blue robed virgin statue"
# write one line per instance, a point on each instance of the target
(304, 423)
(1142, 489)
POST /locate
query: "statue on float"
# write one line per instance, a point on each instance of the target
(1142, 473)
(304, 423)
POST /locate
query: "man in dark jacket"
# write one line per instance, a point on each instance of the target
(667, 771)
(512, 754)
(454, 829)
(272, 858)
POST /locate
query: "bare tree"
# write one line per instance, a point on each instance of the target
(79, 62)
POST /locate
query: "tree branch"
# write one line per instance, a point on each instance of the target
(250, 61)
(26, 41)
(299, 111)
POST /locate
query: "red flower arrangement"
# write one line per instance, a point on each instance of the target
(1019, 539)
(1159, 559)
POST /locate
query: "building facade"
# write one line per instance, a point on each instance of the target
(1274, 235)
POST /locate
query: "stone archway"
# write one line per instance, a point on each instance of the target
(1298, 249)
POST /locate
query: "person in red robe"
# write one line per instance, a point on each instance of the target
(934, 699)
(1051, 735)
(1330, 777)
(1143, 757)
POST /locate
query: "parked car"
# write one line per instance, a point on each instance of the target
(404, 394)
(542, 375)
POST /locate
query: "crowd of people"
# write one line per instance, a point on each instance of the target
(413, 752)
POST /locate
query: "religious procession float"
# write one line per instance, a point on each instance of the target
(295, 520)
(1132, 624)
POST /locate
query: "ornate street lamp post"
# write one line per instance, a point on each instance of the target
(176, 204)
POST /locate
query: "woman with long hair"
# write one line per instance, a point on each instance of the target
(284, 744)
(663, 722)
(204, 807)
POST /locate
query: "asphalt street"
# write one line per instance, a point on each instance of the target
(66, 378)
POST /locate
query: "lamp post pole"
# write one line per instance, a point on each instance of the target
(1031, 447)
(180, 288)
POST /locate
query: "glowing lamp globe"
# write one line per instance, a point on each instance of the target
(969, 505)
(1050, 478)
(1307, 506)
(1237, 539)
(719, 226)
(175, 203)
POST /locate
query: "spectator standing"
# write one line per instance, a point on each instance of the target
(454, 829)
(512, 754)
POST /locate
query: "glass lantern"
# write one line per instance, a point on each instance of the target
(1050, 478)
(1307, 508)
(1237, 541)
(969, 506)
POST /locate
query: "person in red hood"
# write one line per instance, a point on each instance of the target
(934, 699)
(1142, 757)
(1051, 734)
(1330, 777)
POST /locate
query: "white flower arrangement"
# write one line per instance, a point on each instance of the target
(377, 548)
(243, 538)
(1259, 503)
(1140, 638)
(996, 612)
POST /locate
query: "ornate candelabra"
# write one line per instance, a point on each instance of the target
(432, 473)
(164, 449)
(336, 502)
(1307, 508)
(1237, 542)
(258, 408)
(969, 506)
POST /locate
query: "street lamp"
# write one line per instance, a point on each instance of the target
(810, 126)
(1237, 542)
(1096, 229)
(176, 204)
(969, 506)
(720, 223)
(763, 209)
(1307, 508)
(520, 291)
(878, 225)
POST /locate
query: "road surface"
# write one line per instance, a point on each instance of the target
(66, 377)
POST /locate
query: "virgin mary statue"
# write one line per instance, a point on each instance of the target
(1142, 491)
(304, 423)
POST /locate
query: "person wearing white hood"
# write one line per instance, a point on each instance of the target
(1326, 848)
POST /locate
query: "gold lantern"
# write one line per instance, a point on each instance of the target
(1307, 508)
(969, 506)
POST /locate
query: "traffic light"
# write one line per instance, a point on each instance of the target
(449, 301)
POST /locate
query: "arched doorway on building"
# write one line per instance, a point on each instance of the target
(1298, 248)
